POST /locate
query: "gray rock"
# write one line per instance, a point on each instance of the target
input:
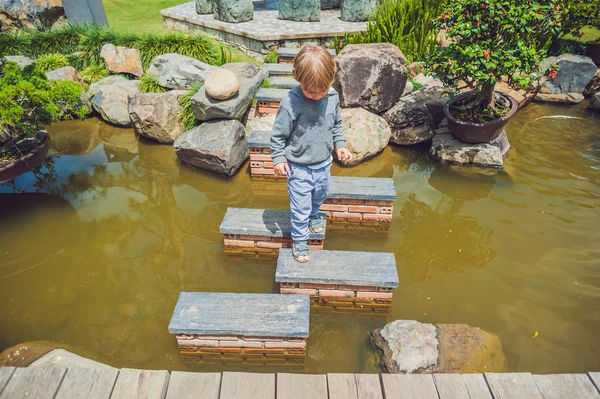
(233, 10)
(300, 10)
(329, 4)
(409, 88)
(416, 116)
(221, 84)
(371, 76)
(175, 71)
(594, 86)
(427, 80)
(250, 77)
(219, 146)
(204, 6)
(65, 73)
(30, 14)
(595, 102)
(366, 134)
(156, 115)
(358, 10)
(573, 75)
(21, 61)
(109, 97)
(120, 59)
(560, 98)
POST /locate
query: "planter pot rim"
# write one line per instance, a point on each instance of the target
(20, 166)
(514, 107)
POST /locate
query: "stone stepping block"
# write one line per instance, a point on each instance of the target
(286, 55)
(278, 69)
(340, 278)
(261, 232)
(268, 100)
(254, 327)
(283, 82)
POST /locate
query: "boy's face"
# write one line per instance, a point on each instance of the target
(314, 95)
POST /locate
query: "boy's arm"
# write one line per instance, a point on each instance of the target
(282, 128)
(339, 141)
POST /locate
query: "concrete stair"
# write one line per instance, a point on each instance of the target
(268, 100)
(272, 70)
(283, 82)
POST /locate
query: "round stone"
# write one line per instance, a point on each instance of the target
(221, 84)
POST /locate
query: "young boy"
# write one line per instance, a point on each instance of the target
(308, 127)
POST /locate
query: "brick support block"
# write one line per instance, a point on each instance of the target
(363, 209)
(347, 201)
(299, 291)
(379, 203)
(333, 208)
(260, 157)
(356, 288)
(286, 345)
(317, 286)
(239, 243)
(374, 295)
(383, 218)
(336, 293)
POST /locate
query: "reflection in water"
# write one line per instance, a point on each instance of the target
(99, 240)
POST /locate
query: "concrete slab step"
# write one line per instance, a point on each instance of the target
(268, 99)
(283, 82)
(272, 70)
(286, 55)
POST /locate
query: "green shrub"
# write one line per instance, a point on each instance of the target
(94, 72)
(271, 57)
(149, 84)
(266, 83)
(187, 117)
(50, 62)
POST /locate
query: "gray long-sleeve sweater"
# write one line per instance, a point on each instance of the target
(306, 131)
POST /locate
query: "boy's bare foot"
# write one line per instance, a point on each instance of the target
(316, 224)
(300, 251)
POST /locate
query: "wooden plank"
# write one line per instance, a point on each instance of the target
(557, 386)
(450, 386)
(369, 386)
(249, 315)
(38, 383)
(342, 386)
(5, 374)
(88, 383)
(301, 386)
(248, 386)
(147, 384)
(513, 386)
(186, 385)
(595, 377)
(408, 386)
(476, 385)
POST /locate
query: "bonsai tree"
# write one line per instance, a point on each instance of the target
(492, 41)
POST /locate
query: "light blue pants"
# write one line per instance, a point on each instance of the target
(308, 188)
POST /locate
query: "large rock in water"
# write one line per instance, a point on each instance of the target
(371, 76)
(30, 14)
(593, 87)
(250, 77)
(204, 6)
(573, 75)
(122, 59)
(300, 10)
(358, 10)
(595, 102)
(233, 10)
(175, 71)
(366, 134)
(65, 73)
(220, 146)
(21, 61)
(109, 97)
(416, 116)
(412, 347)
(156, 115)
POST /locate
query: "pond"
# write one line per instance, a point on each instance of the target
(97, 246)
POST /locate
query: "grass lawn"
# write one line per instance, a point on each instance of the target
(589, 34)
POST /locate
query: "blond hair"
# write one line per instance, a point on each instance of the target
(314, 68)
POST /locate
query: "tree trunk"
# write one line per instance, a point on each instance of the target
(486, 96)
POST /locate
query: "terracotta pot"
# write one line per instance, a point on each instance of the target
(593, 51)
(471, 132)
(25, 164)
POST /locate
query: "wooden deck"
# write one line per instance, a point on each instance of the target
(58, 382)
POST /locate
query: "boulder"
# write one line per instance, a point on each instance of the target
(109, 97)
(221, 84)
(573, 74)
(233, 10)
(122, 59)
(560, 98)
(219, 145)
(412, 347)
(65, 73)
(21, 61)
(30, 14)
(415, 118)
(175, 71)
(593, 87)
(595, 102)
(366, 134)
(250, 77)
(204, 6)
(300, 10)
(358, 10)
(427, 80)
(156, 115)
(409, 88)
(371, 76)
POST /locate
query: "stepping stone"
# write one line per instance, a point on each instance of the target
(283, 82)
(262, 232)
(252, 327)
(268, 99)
(340, 278)
(261, 163)
(285, 55)
(278, 69)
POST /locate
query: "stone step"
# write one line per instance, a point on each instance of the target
(285, 55)
(340, 278)
(272, 70)
(283, 82)
(268, 99)
(252, 327)
(261, 231)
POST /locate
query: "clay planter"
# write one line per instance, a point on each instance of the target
(471, 132)
(593, 51)
(24, 164)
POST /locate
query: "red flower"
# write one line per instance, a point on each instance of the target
(483, 6)
(486, 54)
(552, 74)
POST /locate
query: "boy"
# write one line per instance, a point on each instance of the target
(308, 127)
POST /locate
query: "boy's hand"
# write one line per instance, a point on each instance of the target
(343, 154)
(282, 169)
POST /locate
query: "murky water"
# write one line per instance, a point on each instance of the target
(97, 246)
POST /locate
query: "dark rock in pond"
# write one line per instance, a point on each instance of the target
(371, 76)
(595, 102)
(594, 86)
(65, 73)
(233, 10)
(110, 98)
(573, 74)
(358, 10)
(179, 72)
(204, 6)
(21, 61)
(31, 14)
(250, 78)
(156, 115)
(300, 10)
(219, 146)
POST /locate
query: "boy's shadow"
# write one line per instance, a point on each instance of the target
(276, 221)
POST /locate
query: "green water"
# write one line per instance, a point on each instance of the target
(118, 227)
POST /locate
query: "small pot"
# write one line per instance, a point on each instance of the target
(25, 164)
(471, 132)
(593, 51)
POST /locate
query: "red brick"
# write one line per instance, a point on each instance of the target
(231, 236)
(335, 208)
(356, 288)
(363, 208)
(298, 291)
(315, 242)
(379, 202)
(255, 150)
(336, 293)
(281, 240)
(239, 243)
(272, 245)
(374, 295)
(260, 157)
(218, 337)
(347, 201)
(288, 285)
(386, 209)
(317, 286)
(346, 215)
(240, 343)
(256, 164)
(204, 343)
(328, 201)
(268, 164)
(252, 238)
(266, 150)
(266, 110)
(382, 289)
(263, 171)
(382, 217)
(286, 345)
(315, 247)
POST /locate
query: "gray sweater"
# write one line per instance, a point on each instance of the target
(307, 131)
